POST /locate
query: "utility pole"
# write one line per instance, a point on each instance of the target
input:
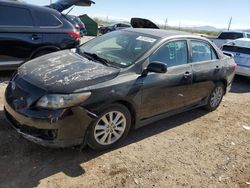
(166, 22)
(50, 2)
(230, 22)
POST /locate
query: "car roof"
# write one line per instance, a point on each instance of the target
(126, 23)
(235, 32)
(161, 33)
(71, 16)
(27, 5)
(244, 39)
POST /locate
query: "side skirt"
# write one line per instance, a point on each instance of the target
(147, 121)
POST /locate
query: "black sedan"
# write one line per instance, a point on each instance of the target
(117, 82)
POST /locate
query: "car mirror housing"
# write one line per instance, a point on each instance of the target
(157, 67)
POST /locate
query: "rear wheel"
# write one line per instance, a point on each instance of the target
(215, 97)
(110, 128)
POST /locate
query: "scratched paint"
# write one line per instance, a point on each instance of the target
(65, 68)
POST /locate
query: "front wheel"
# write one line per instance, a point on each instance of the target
(215, 97)
(110, 128)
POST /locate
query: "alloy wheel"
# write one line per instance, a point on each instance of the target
(110, 128)
(216, 96)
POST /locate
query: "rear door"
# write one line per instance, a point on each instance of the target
(206, 69)
(16, 25)
(57, 30)
(169, 91)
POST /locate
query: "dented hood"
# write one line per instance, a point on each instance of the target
(65, 72)
(61, 5)
(143, 23)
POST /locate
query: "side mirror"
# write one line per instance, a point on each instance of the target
(157, 67)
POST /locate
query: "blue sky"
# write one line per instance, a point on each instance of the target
(184, 12)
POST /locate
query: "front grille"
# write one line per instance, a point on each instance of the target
(45, 134)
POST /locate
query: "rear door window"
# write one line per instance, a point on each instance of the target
(45, 19)
(173, 54)
(15, 16)
(202, 51)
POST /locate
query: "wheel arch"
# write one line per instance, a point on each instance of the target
(131, 109)
(224, 82)
(49, 48)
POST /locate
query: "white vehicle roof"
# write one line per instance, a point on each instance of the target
(242, 42)
(243, 39)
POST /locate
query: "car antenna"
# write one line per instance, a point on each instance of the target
(70, 10)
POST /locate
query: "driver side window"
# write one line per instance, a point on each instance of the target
(173, 54)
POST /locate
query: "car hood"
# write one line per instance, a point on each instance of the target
(143, 23)
(65, 72)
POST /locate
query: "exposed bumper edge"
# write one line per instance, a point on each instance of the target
(71, 130)
(51, 144)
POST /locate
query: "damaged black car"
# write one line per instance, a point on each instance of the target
(96, 94)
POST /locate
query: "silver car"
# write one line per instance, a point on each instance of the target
(240, 49)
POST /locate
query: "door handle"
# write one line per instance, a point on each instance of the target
(35, 37)
(187, 75)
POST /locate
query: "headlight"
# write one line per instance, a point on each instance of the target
(56, 101)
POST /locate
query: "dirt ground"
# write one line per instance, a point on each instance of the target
(193, 149)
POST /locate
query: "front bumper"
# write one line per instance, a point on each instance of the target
(65, 130)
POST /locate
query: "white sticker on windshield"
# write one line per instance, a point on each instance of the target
(146, 39)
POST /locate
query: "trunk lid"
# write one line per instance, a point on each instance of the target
(143, 23)
(62, 5)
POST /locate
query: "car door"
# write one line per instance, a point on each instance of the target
(16, 25)
(206, 69)
(171, 90)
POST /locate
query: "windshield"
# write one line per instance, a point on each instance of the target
(240, 43)
(121, 48)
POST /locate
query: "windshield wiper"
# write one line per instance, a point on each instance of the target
(94, 56)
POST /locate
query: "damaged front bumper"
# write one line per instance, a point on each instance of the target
(65, 129)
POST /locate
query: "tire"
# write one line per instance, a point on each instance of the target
(41, 53)
(102, 134)
(215, 97)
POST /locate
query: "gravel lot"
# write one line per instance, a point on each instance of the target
(193, 149)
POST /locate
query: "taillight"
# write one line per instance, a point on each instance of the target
(75, 35)
(235, 66)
